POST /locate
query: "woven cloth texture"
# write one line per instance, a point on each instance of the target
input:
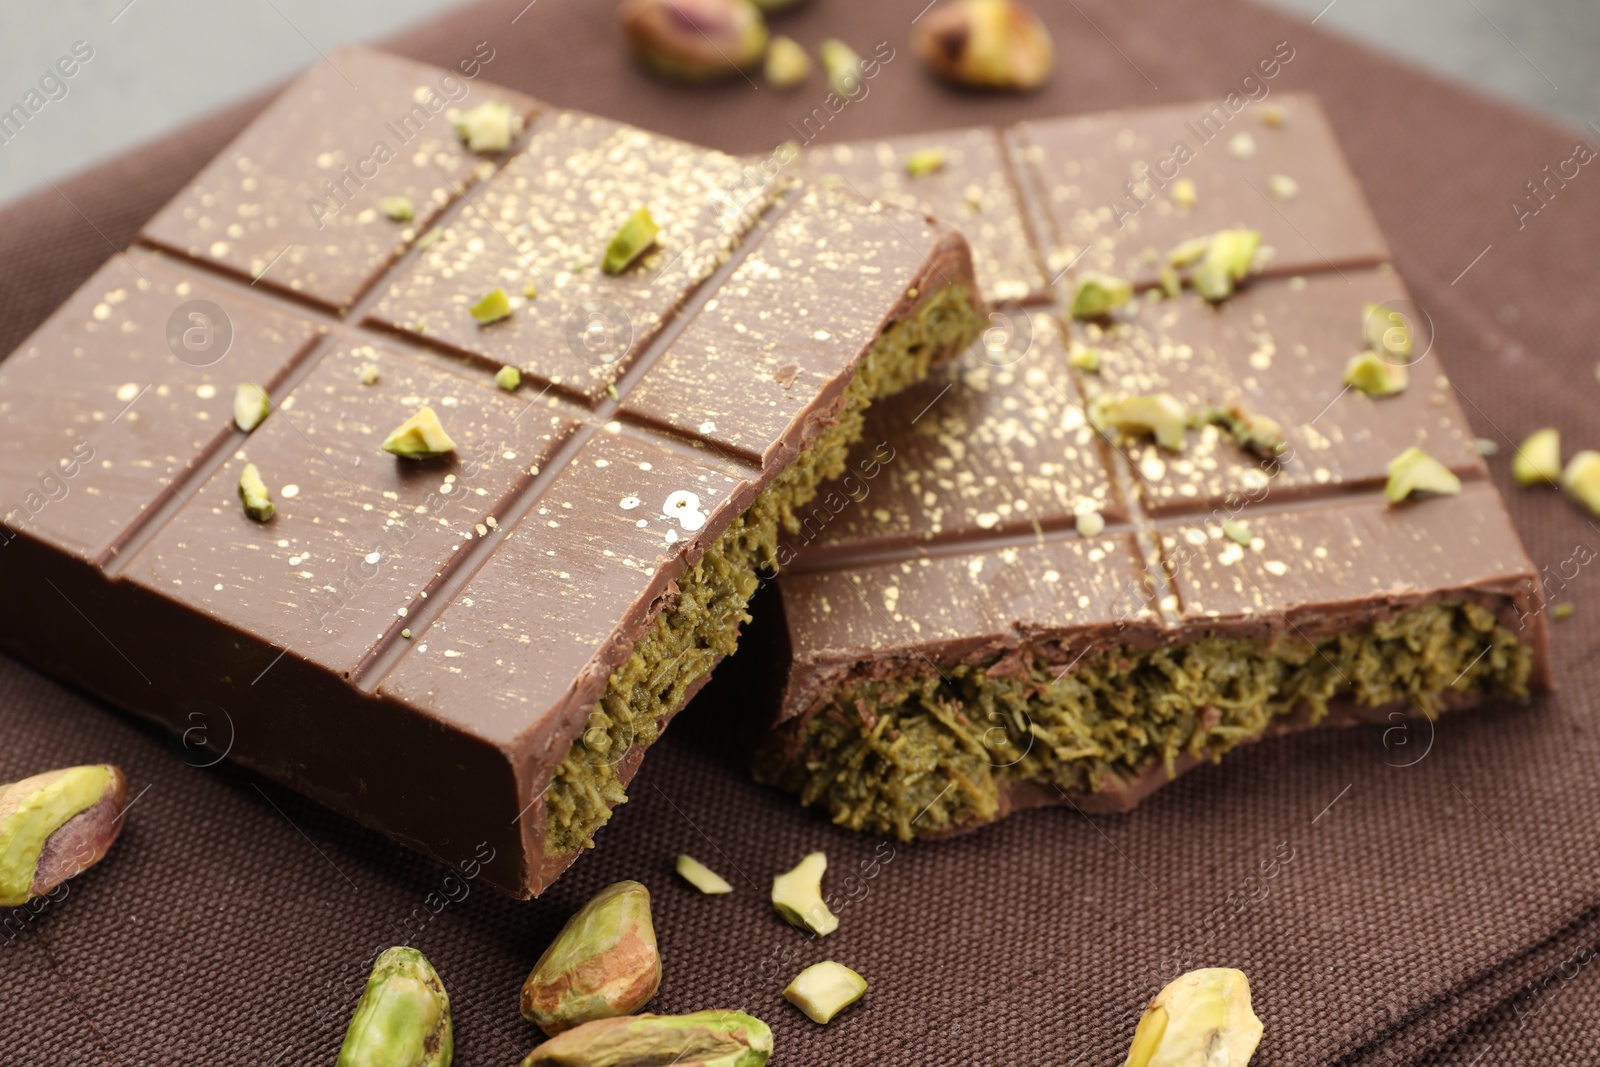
(1429, 886)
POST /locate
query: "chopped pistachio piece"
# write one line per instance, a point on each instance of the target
(702, 877)
(491, 307)
(925, 161)
(1283, 187)
(1184, 193)
(825, 989)
(1375, 376)
(1485, 446)
(419, 437)
(630, 241)
(1098, 293)
(1090, 524)
(253, 492)
(1251, 431)
(398, 208)
(1229, 258)
(250, 406)
(406, 633)
(530, 290)
(1564, 611)
(1236, 531)
(1538, 459)
(1170, 284)
(1242, 146)
(787, 63)
(1274, 114)
(369, 374)
(843, 66)
(489, 127)
(1201, 1018)
(1084, 358)
(1161, 416)
(797, 895)
(1581, 479)
(508, 378)
(1385, 331)
(428, 240)
(1189, 252)
(1414, 471)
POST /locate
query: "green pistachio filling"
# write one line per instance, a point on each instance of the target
(703, 626)
(920, 753)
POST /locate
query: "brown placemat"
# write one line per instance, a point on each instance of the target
(235, 920)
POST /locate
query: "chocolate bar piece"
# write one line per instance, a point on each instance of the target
(1002, 606)
(467, 650)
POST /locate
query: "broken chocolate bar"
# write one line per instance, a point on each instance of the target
(1090, 555)
(455, 604)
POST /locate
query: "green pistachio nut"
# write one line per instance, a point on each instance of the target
(986, 44)
(629, 242)
(1189, 252)
(403, 1019)
(488, 128)
(1096, 294)
(1414, 471)
(1283, 187)
(602, 964)
(702, 877)
(1185, 194)
(925, 161)
(421, 436)
(508, 378)
(250, 406)
(1251, 431)
(1160, 416)
(842, 65)
(1090, 524)
(1237, 532)
(1171, 285)
(1385, 332)
(1581, 480)
(1229, 258)
(787, 64)
(825, 989)
(797, 895)
(491, 307)
(1201, 1019)
(1085, 358)
(255, 496)
(55, 825)
(398, 208)
(694, 40)
(1538, 459)
(719, 1038)
(1376, 376)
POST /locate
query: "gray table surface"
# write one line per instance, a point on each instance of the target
(158, 63)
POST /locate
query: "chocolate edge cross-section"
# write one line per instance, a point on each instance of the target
(470, 649)
(1001, 607)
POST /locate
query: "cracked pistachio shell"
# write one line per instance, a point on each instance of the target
(1581, 480)
(55, 825)
(255, 496)
(250, 406)
(1414, 471)
(986, 44)
(718, 1038)
(825, 989)
(1098, 293)
(694, 40)
(403, 1019)
(1160, 416)
(421, 436)
(602, 964)
(797, 895)
(1538, 459)
(1201, 1019)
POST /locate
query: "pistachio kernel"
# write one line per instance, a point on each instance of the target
(825, 989)
(398, 208)
(531, 291)
(1486, 447)
(369, 374)
(54, 826)
(421, 436)
(1538, 459)
(694, 40)
(406, 633)
(1229, 257)
(1184, 193)
(602, 964)
(1189, 252)
(702, 877)
(1236, 531)
(1203, 1017)
(1564, 610)
(250, 406)
(1090, 524)
(508, 378)
(489, 127)
(491, 307)
(986, 44)
(1084, 358)
(717, 1038)
(1096, 294)
(1160, 416)
(630, 241)
(1251, 431)
(1375, 376)
(428, 240)
(1170, 283)
(843, 66)
(1242, 145)
(254, 495)
(1385, 331)
(1581, 479)
(403, 1018)
(797, 895)
(1414, 471)
(925, 161)
(1282, 187)
(787, 64)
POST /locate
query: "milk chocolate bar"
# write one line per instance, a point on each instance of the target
(594, 435)
(1004, 604)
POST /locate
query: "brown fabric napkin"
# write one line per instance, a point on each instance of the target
(1429, 883)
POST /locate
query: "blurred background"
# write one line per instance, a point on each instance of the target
(159, 63)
